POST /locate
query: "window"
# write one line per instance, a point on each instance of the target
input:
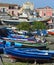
(3, 10)
(11, 7)
(44, 14)
(53, 14)
(12, 12)
(19, 7)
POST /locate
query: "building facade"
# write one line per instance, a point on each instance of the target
(26, 7)
(11, 9)
(53, 17)
(14, 9)
(46, 11)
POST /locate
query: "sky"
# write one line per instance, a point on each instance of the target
(37, 3)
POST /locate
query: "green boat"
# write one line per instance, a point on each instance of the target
(28, 44)
(34, 45)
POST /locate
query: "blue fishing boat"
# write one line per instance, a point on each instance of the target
(16, 50)
(30, 53)
(5, 44)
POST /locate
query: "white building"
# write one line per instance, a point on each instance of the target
(28, 5)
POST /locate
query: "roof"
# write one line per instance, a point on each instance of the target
(45, 7)
(7, 5)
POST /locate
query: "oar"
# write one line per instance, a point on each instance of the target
(2, 60)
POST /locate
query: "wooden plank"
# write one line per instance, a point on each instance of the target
(1, 62)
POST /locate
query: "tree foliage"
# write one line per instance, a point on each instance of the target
(33, 26)
(23, 26)
(38, 25)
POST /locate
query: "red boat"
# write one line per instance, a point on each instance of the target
(51, 31)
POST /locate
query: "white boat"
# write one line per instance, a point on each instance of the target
(26, 18)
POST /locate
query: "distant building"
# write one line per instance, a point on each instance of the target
(46, 11)
(14, 9)
(53, 18)
(28, 5)
(28, 8)
(11, 9)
